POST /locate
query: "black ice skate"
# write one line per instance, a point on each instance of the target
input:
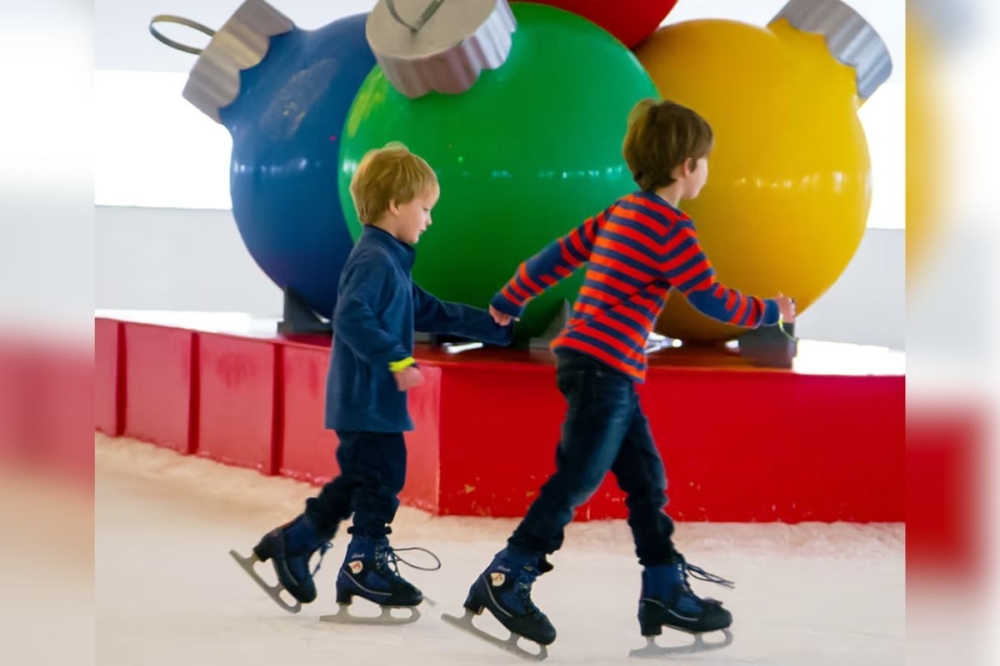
(504, 589)
(370, 571)
(290, 548)
(668, 601)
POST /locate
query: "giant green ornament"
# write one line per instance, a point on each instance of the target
(526, 154)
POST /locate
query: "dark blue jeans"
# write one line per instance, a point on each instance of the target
(604, 430)
(372, 474)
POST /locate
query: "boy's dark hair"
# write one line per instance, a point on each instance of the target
(660, 136)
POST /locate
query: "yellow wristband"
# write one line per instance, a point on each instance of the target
(397, 366)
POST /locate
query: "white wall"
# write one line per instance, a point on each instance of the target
(149, 258)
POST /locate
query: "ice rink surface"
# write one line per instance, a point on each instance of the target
(168, 594)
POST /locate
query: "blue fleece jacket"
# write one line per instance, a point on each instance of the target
(378, 309)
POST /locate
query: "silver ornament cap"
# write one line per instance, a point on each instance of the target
(439, 45)
(241, 43)
(849, 37)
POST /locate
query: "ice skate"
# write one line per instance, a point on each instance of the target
(370, 571)
(668, 601)
(290, 548)
(505, 590)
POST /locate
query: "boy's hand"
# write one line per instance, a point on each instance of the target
(408, 378)
(500, 318)
(786, 306)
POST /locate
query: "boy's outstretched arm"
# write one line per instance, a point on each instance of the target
(356, 324)
(689, 271)
(555, 262)
(431, 315)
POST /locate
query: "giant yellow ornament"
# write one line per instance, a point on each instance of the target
(789, 189)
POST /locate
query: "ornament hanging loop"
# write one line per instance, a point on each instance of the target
(424, 17)
(180, 20)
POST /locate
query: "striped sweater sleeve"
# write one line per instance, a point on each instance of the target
(688, 270)
(558, 260)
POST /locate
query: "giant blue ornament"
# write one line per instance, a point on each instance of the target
(284, 93)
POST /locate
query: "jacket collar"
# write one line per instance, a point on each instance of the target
(402, 252)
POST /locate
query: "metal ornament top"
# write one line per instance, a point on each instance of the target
(849, 37)
(241, 43)
(439, 45)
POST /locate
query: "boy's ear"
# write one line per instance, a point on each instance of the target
(393, 207)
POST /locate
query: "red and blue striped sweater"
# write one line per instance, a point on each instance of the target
(636, 251)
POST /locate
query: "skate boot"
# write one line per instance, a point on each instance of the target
(668, 601)
(290, 548)
(371, 571)
(504, 589)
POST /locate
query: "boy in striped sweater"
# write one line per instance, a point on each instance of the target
(636, 252)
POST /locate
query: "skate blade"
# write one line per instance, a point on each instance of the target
(344, 616)
(464, 623)
(652, 650)
(273, 591)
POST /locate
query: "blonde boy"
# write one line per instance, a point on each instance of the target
(371, 368)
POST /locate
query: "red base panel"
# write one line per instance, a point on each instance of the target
(109, 380)
(738, 446)
(308, 451)
(237, 401)
(159, 382)
(822, 442)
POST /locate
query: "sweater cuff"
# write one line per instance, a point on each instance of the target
(397, 366)
(772, 313)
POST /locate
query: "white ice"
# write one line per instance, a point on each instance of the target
(167, 592)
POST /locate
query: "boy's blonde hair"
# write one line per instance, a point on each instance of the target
(387, 174)
(660, 137)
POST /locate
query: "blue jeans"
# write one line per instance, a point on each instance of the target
(372, 474)
(604, 430)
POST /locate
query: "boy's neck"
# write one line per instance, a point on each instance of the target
(671, 194)
(387, 227)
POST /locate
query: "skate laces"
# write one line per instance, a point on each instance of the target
(387, 558)
(525, 579)
(323, 547)
(701, 574)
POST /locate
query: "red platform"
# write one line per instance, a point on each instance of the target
(821, 442)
